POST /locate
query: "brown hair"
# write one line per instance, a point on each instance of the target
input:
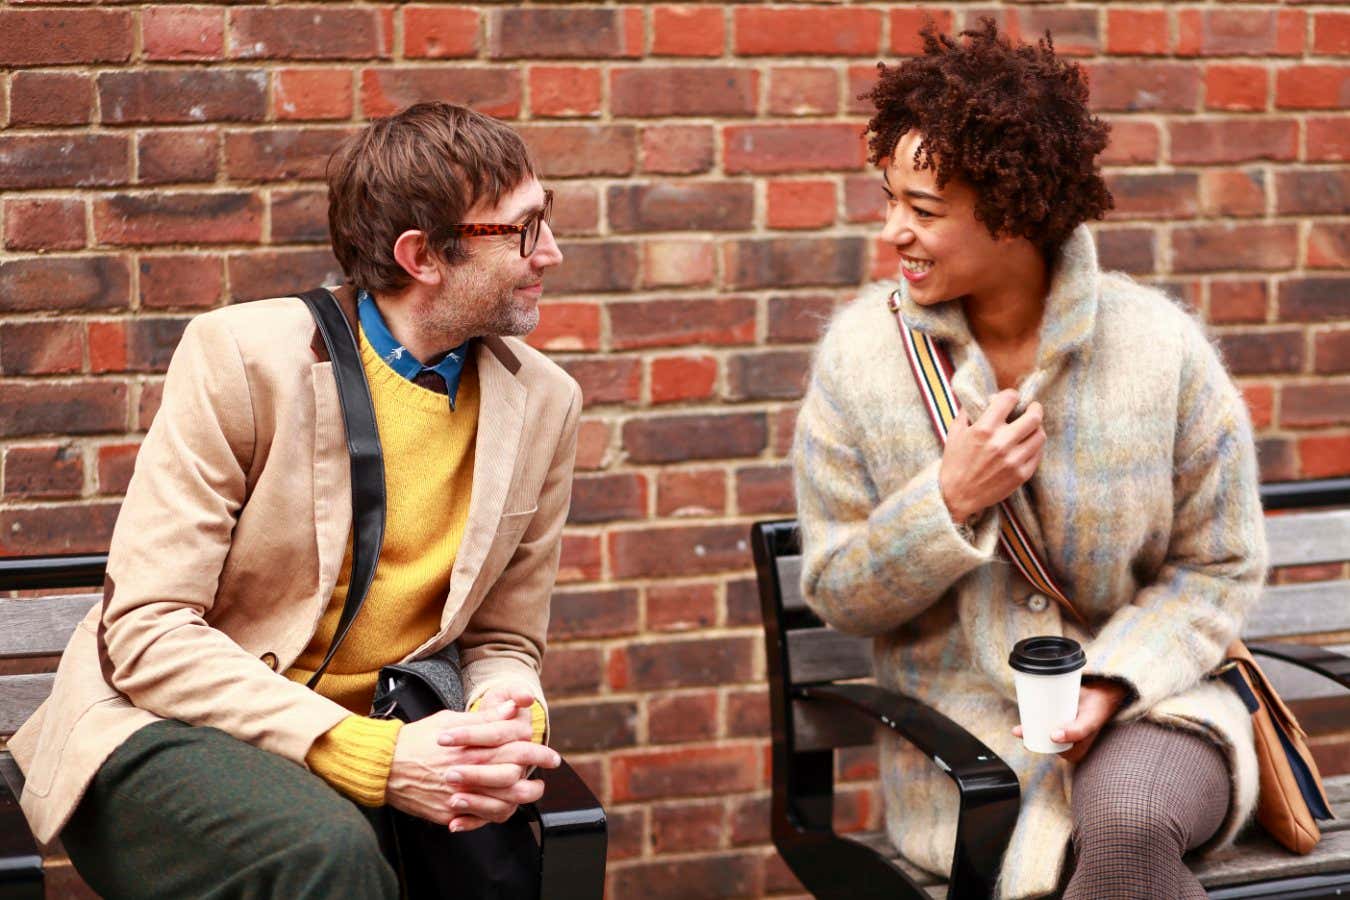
(1011, 121)
(423, 169)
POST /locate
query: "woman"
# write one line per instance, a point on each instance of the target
(1106, 405)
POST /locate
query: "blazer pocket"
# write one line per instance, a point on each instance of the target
(514, 523)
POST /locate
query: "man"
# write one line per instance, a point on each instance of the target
(180, 746)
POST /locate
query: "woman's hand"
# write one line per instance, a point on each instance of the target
(1098, 701)
(986, 461)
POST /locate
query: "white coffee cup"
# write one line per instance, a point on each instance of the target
(1047, 672)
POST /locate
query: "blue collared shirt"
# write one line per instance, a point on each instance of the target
(398, 357)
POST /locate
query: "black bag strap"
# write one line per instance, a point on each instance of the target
(363, 448)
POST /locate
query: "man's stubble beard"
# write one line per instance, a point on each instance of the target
(474, 304)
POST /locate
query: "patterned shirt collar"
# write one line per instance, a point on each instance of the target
(399, 358)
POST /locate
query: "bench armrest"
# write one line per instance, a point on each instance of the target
(20, 858)
(989, 791)
(572, 837)
(1324, 661)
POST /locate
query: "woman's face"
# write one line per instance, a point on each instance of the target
(945, 252)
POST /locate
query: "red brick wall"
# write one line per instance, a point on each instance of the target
(160, 160)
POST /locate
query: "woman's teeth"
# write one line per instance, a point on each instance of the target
(917, 266)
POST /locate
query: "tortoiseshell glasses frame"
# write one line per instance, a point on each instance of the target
(528, 230)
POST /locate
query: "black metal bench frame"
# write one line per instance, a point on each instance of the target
(571, 822)
(831, 865)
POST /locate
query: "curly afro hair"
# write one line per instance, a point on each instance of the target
(1011, 121)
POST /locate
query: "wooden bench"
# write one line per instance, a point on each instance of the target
(568, 820)
(819, 705)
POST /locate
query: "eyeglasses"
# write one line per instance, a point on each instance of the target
(528, 230)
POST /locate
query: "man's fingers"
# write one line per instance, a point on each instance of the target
(466, 823)
(472, 778)
(492, 734)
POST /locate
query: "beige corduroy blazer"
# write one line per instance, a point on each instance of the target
(233, 530)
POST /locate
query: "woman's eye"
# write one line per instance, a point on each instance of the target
(890, 198)
(922, 213)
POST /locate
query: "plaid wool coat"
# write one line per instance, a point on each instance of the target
(1146, 508)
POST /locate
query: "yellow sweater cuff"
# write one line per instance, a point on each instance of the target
(538, 720)
(355, 755)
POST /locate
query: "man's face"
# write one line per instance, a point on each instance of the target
(495, 290)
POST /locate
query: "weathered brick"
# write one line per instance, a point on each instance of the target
(50, 98)
(706, 877)
(679, 719)
(1331, 33)
(1127, 250)
(798, 318)
(1233, 140)
(864, 200)
(565, 91)
(1331, 352)
(691, 492)
(76, 160)
(687, 772)
(280, 154)
(1228, 246)
(567, 151)
(581, 558)
(1239, 88)
(605, 498)
(688, 31)
(1312, 87)
(1324, 456)
(440, 32)
(107, 345)
(793, 262)
(187, 217)
(1313, 191)
(765, 490)
(592, 725)
(1148, 195)
(748, 713)
(181, 281)
(682, 206)
(84, 407)
(115, 465)
(1315, 405)
(679, 551)
(1236, 193)
(1328, 139)
(684, 827)
(280, 273)
(743, 607)
(628, 831)
(677, 149)
(593, 439)
(677, 378)
(748, 820)
(803, 91)
(906, 21)
(567, 326)
(42, 37)
(313, 94)
(41, 348)
(1075, 28)
(65, 528)
(1260, 400)
(768, 375)
(682, 607)
(151, 342)
(1137, 32)
(782, 31)
(1314, 299)
(45, 223)
(164, 157)
(600, 266)
(65, 283)
(183, 95)
(576, 209)
(599, 613)
(1132, 143)
(152, 394)
(657, 323)
(1241, 32)
(493, 92)
(805, 147)
(1259, 352)
(1276, 459)
(1329, 246)
(800, 204)
(299, 216)
(861, 80)
(44, 472)
(564, 33)
(182, 33)
(678, 263)
(1231, 302)
(309, 32)
(657, 91)
(572, 671)
(1122, 86)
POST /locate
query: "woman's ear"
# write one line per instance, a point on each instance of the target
(412, 253)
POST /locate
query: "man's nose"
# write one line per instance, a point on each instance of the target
(546, 252)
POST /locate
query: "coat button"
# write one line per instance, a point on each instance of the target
(1037, 603)
(269, 659)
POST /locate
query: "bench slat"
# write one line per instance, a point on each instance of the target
(790, 582)
(823, 654)
(40, 626)
(1308, 537)
(1290, 609)
(19, 696)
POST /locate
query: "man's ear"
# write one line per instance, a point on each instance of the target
(412, 253)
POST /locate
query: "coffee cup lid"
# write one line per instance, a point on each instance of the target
(1047, 655)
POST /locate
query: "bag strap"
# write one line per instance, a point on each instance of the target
(932, 371)
(363, 449)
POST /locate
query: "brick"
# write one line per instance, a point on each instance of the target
(107, 346)
(1311, 191)
(183, 95)
(592, 445)
(280, 154)
(1328, 139)
(793, 262)
(1233, 140)
(906, 22)
(684, 607)
(1242, 32)
(569, 33)
(64, 36)
(800, 204)
(152, 394)
(309, 32)
(1154, 195)
(181, 281)
(748, 820)
(678, 263)
(77, 160)
(1137, 32)
(279, 273)
(48, 471)
(572, 671)
(565, 91)
(1312, 87)
(764, 490)
(1075, 29)
(684, 663)
(677, 149)
(606, 498)
(659, 91)
(803, 91)
(799, 318)
(768, 375)
(116, 462)
(681, 719)
(1226, 246)
(627, 832)
(679, 551)
(84, 407)
(65, 283)
(748, 713)
(576, 209)
(581, 558)
(1231, 302)
(1331, 33)
(567, 326)
(65, 528)
(578, 615)
(313, 94)
(688, 31)
(864, 200)
(182, 33)
(164, 157)
(1127, 250)
(299, 216)
(685, 437)
(596, 267)
(657, 323)
(1276, 459)
(50, 98)
(1132, 143)
(135, 345)
(1233, 192)
(591, 726)
(187, 217)
(705, 877)
(1324, 456)
(682, 206)
(41, 348)
(1123, 86)
(1237, 87)
(1329, 246)
(678, 378)
(1331, 352)
(493, 92)
(1315, 405)
(777, 149)
(44, 223)
(1260, 400)
(691, 492)
(440, 32)
(686, 827)
(1314, 299)
(743, 603)
(1264, 351)
(783, 31)
(567, 151)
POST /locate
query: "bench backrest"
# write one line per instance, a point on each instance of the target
(1299, 530)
